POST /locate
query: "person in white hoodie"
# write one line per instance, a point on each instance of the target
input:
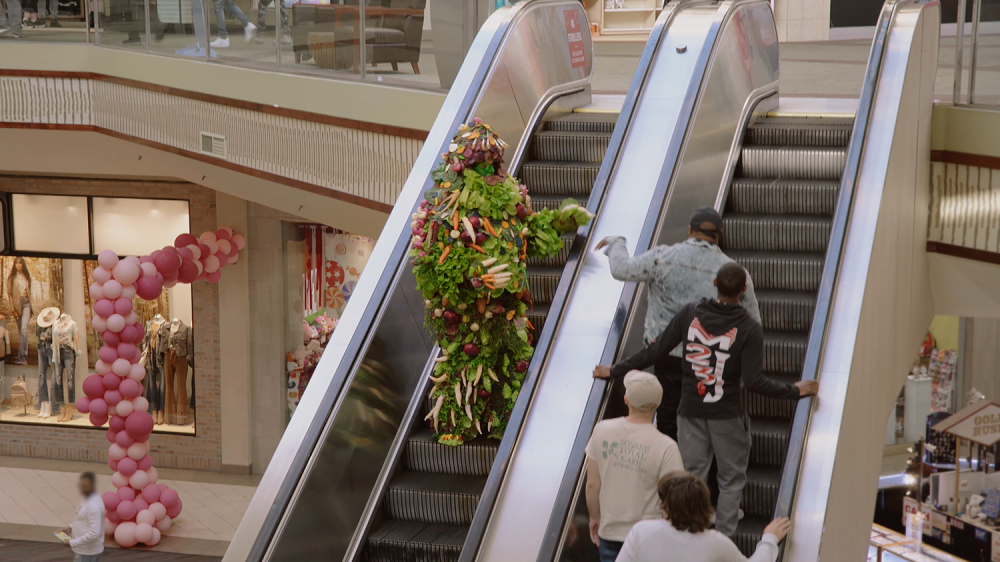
(685, 531)
(87, 532)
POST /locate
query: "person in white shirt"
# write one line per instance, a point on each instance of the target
(685, 530)
(626, 458)
(87, 532)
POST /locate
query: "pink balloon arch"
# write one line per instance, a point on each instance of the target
(141, 509)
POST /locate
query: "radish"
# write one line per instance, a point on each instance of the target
(471, 349)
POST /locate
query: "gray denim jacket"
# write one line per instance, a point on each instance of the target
(675, 275)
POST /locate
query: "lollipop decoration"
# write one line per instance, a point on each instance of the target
(141, 509)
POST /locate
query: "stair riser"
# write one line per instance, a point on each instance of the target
(581, 126)
(783, 197)
(776, 234)
(570, 148)
(799, 136)
(746, 542)
(792, 315)
(543, 286)
(792, 163)
(760, 406)
(784, 274)
(566, 181)
(396, 551)
(431, 507)
(784, 357)
(759, 498)
(768, 448)
(423, 456)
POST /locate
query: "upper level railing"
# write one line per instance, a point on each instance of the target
(398, 42)
(970, 86)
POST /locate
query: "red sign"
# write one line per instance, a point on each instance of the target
(574, 34)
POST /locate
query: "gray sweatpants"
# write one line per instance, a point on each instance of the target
(11, 16)
(728, 441)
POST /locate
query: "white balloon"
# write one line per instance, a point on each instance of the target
(117, 452)
(140, 403)
(102, 368)
(128, 292)
(163, 524)
(136, 451)
(139, 479)
(124, 408)
(137, 372)
(196, 250)
(148, 269)
(119, 480)
(152, 474)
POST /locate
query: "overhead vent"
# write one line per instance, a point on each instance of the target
(213, 145)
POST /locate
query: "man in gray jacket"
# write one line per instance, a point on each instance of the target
(675, 276)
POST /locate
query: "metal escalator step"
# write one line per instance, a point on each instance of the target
(749, 532)
(537, 315)
(800, 132)
(539, 203)
(782, 271)
(569, 146)
(590, 122)
(792, 162)
(434, 498)
(775, 233)
(760, 406)
(769, 439)
(396, 540)
(543, 282)
(761, 491)
(425, 454)
(559, 259)
(794, 197)
(565, 179)
(786, 311)
(784, 352)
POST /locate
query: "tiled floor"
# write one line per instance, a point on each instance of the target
(43, 494)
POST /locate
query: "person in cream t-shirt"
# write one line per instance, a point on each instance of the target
(626, 458)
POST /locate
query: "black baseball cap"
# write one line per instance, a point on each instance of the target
(710, 216)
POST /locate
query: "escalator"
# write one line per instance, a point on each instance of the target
(432, 500)
(777, 222)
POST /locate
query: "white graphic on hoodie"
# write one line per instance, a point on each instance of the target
(700, 356)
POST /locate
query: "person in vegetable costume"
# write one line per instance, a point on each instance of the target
(472, 237)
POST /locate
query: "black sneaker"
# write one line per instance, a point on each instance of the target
(55, 23)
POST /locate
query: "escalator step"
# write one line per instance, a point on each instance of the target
(786, 311)
(543, 282)
(760, 406)
(792, 162)
(770, 442)
(564, 179)
(784, 352)
(793, 197)
(589, 122)
(782, 271)
(412, 541)
(761, 492)
(800, 132)
(539, 203)
(749, 532)
(434, 498)
(537, 315)
(425, 454)
(568, 146)
(775, 233)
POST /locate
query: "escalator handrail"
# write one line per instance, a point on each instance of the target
(440, 137)
(488, 499)
(834, 254)
(596, 401)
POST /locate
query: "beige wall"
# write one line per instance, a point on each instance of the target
(802, 20)
(966, 129)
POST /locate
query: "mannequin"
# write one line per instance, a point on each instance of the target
(154, 345)
(43, 329)
(175, 365)
(65, 349)
(4, 352)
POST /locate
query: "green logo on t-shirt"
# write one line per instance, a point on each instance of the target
(608, 449)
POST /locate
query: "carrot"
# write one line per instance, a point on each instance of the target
(489, 227)
(490, 285)
(454, 220)
(530, 325)
(476, 248)
(444, 255)
(487, 277)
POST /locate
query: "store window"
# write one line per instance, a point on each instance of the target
(46, 339)
(322, 268)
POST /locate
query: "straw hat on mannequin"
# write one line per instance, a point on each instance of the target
(48, 316)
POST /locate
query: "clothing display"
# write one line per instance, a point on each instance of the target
(175, 371)
(65, 349)
(153, 342)
(43, 329)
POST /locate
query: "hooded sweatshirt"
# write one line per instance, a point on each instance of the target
(723, 347)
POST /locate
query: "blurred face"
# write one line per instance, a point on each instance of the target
(19, 266)
(86, 486)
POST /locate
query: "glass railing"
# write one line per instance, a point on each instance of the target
(409, 43)
(976, 76)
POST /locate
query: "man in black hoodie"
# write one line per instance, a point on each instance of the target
(723, 347)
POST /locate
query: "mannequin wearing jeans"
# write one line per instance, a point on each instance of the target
(65, 348)
(154, 343)
(44, 363)
(19, 289)
(175, 366)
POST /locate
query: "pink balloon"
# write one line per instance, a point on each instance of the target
(137, 372)
(98, 408)
(214, 277)
(124, 408)
(96, 292)
(126, 493)
(167, 284)
(112, 462)
(102, 368)
(145, 517)
(126, 272)
(93, 387)
(140, 504)
(211, 264)
(188, 271)
(111, 500)
(104, 307)
(111, 339)
(224, 233)
(132, 259)
(148, 269)
(112, 381)
(122, 306)
(125, 535)
(126, 466)
(107, 353)
(127, 335)
(205, 250)
(108, 259)
(140, 403)
(96, 420)
(153, 475)
(184, 240)
(119, 480)
(83, 405)
(240, 241)
(112, 289)
(112, 398)
(196, 252)
(139, 331)
(137, 450)
(116, 323)
(149, 258)
(212, 245)
(186, 252)
(158, 509)
(126, 509)
(167, 263)
(113, 517)
(128, 292)
(123, 439)
(129, 388)
(112, 437)
(139, 480)
(99, 324)
(121, 367)
(152, 495)
(223, 258)
(206, 236)
(233, 251)
(110, 526)
(225, 246)
(156, 537)
(102, 275)
(149, 288)
(127, 350)
(174, 511)
(233, 259)
(169, 498)
(117, 423)
(139, 424)
(145, 464)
